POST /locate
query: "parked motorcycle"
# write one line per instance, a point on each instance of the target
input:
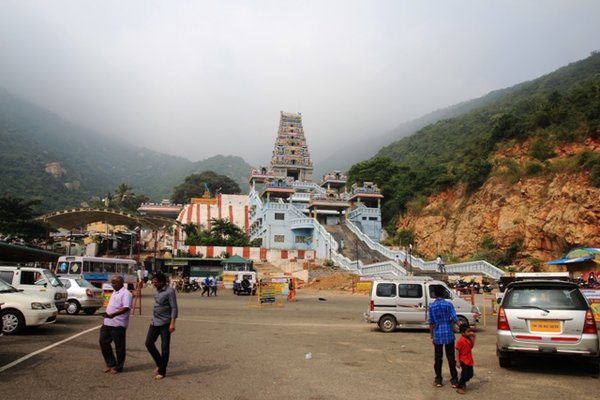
(195, 286)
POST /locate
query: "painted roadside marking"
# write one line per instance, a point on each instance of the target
(28, 356)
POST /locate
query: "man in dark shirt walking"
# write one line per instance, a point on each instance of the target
(162, 324)
(442, 318)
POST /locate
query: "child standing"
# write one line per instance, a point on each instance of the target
(464, 358)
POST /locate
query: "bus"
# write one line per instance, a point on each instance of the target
(97, 270)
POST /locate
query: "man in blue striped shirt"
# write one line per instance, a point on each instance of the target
(442, 318)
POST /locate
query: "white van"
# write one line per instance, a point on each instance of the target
(404, 303)
(38, 281)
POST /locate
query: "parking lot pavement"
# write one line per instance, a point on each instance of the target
(227, 348)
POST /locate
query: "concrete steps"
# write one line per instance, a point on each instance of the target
(353, 246)
(266, 268)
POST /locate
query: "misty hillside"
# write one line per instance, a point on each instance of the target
(46, 157)
(556, 109)
(343, 158)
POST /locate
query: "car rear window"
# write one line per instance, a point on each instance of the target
(83, 283)
(553, 298)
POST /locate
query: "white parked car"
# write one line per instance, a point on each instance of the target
(20, 309)
(81, 295)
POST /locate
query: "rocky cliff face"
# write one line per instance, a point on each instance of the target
(550, 212)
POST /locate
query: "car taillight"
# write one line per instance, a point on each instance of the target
(372, 306)
(502, 322)
(589, 325)
(88, 292)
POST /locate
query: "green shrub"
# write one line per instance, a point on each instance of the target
(533, 168)
(404, 237)
(595, 176)
(509, 171)
(541, 150)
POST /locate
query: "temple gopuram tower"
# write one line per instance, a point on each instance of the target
(291, 159)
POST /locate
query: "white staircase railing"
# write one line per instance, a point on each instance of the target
(479, 266)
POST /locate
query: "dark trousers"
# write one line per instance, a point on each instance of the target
(437, 366)
(465, 375)
(161, 359)
(109, 334)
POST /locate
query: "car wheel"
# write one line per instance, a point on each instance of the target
(593, 365)
(90, 311)
(72, 307)
(463, 321)
(12, 322)
(387, 324)
(504, 359)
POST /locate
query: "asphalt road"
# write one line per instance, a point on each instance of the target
(227, 348)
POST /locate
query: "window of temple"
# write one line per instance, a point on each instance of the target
(279, 238)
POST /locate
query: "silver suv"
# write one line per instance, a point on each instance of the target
(546, 318)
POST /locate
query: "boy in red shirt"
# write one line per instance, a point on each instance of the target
(464, 358)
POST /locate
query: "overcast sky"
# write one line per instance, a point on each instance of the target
(200, 78)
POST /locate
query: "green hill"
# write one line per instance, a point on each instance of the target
(560, 107)
(45, 157)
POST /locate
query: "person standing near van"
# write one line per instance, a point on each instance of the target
(114, 328)
(162, 324)
(442, 318)
(464, 347)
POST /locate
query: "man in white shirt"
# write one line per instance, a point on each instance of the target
(114, 328)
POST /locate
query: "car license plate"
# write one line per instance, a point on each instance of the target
(543, 325)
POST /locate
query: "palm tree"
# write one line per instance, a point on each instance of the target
(122, 192)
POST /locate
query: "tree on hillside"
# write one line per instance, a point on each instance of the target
(196, 184)
(125, 198)
(122, 192)
(17, 219)
(377, 169)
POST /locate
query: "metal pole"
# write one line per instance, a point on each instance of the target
(130, 245)
(155, 246)
(410, 258)
(357, 261)
(69, 244)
